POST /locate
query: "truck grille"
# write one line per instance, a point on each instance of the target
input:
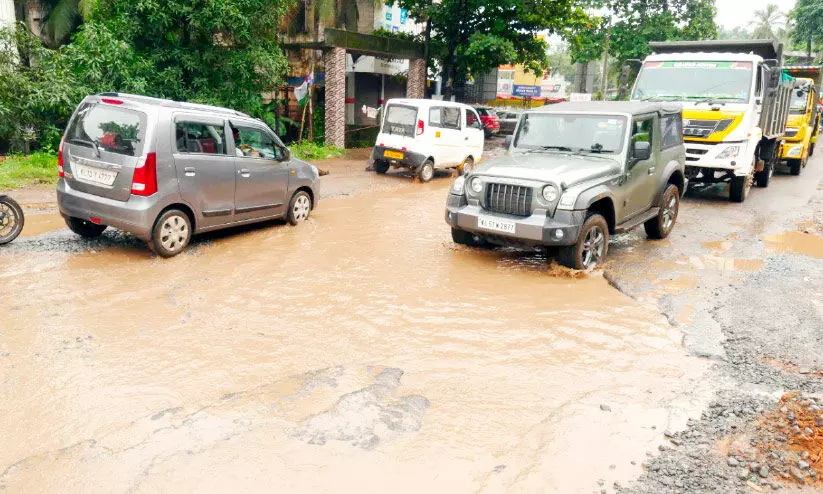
(509, 199)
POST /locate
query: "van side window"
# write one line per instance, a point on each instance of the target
(451, 117)
(671, 130)
(194, 137)
(254, 143)
(435, 113)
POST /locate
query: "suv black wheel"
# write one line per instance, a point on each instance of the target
(591, 247)
(764, 177)
(171, 233)
(466, 238)
(794, 166)
(425, 172)
(85, 229)
(381, 166)
(739, 188)
(660, 226)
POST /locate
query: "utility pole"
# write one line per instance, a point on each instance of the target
(604, 78)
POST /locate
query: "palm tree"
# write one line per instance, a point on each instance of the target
(769, 23)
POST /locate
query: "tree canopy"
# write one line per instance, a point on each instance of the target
(808, 18)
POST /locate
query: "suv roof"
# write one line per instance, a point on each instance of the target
(624, 107)
(167, 103)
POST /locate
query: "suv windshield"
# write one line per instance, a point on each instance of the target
(400, 119)
(694, 81)
(571, 132)
(112, 129)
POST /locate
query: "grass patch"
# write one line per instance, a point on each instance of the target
(19, 170)
(307, 150)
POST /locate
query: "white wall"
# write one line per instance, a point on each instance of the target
(6, 13)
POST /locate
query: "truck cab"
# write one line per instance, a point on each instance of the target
(802, 126)
(735, 106)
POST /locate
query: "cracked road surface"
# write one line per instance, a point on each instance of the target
(363, 351)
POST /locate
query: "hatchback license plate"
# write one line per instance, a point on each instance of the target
(393, 154)
(495, 224)
(93, 174)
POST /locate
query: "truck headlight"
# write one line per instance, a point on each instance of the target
(550, 193)
(476, 185)
(729, 153)
(795, 151)
(459, 185)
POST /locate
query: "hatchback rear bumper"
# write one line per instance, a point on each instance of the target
(135, 216)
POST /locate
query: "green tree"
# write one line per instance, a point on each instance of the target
(475, 36)
(769, 23)
(808, 18)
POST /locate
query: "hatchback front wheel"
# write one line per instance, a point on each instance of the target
(299, 207)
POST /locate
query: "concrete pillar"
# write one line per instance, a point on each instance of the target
(416, 84)
(335, 61)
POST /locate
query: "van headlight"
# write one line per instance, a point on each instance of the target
(477, 185)
(550, 193)
(729, 153)
(459, 185)
(795, 151)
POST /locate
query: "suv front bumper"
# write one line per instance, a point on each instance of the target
(537, 229)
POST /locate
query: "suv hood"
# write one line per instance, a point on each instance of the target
(560, 168)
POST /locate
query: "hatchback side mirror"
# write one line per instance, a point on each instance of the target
(286, 154)
(642, 150)
(509, 140)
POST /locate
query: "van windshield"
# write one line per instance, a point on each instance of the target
(108, 128)
(400, 120)
(571, 132)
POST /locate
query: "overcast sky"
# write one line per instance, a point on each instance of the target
(731, 13)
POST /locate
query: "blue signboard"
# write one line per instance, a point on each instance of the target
(403, 15)
(388, 16)
(533, 91)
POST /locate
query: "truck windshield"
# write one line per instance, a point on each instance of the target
(694, 81)
(400, 120)
(571, 132)
(800, 98)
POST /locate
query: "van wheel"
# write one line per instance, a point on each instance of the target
(794, 166)
(463, 237)
(381, 166)
(739, 188)
(467, 166)
(171, 233)
(299, 207)
(591, 247)
(85, 229)
(660, 226)
(426, 171)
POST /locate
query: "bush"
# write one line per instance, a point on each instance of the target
(308, 150)
(36, 168)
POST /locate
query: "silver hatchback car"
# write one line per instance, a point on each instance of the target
(165, 170)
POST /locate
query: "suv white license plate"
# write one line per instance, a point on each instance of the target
(94, 174)
(495, 224)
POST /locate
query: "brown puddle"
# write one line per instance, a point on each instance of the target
(35, 224)
(795, 242)
(361, 351)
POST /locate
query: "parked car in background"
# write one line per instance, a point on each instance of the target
(508, 121)
(574, 174)
(490, 120)
(165, 170)
(423, 135)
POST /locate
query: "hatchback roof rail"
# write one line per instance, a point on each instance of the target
(175, 104)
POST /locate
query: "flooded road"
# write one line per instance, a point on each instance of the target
(359, 352)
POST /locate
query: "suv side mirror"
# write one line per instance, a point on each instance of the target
(509, 139)
(641, 150)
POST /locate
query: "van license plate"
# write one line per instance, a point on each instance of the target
(393, 154)
(495, 224)
(93, 174)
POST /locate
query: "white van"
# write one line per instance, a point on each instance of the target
(424, 134)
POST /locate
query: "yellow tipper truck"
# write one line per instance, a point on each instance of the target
(804, 117)
(735, 106)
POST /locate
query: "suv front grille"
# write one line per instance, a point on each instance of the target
(509, 199)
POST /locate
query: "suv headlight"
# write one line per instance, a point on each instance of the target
(459, 185)
(550, 193)
(729, 152)
(567, 201)
(476, 185)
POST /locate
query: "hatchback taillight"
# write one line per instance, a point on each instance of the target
(144, 182)
(60, 172)
(420, 128)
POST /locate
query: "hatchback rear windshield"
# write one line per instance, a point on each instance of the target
(484, 112)
(108, 128)
(400, 119)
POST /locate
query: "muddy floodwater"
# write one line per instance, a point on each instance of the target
(359, 352)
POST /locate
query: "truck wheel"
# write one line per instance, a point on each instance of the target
(85, 229)
(794, 166)
(591, 247)
(811, 149)
(660, 226)
(426, 171)
(739, 188)
(764, 177)
(381, 166)
(466, 238)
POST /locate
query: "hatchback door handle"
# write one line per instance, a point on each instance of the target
(244, 172)
(651, 170)
(190, 171)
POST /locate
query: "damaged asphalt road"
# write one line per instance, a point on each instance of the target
(365, 351)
